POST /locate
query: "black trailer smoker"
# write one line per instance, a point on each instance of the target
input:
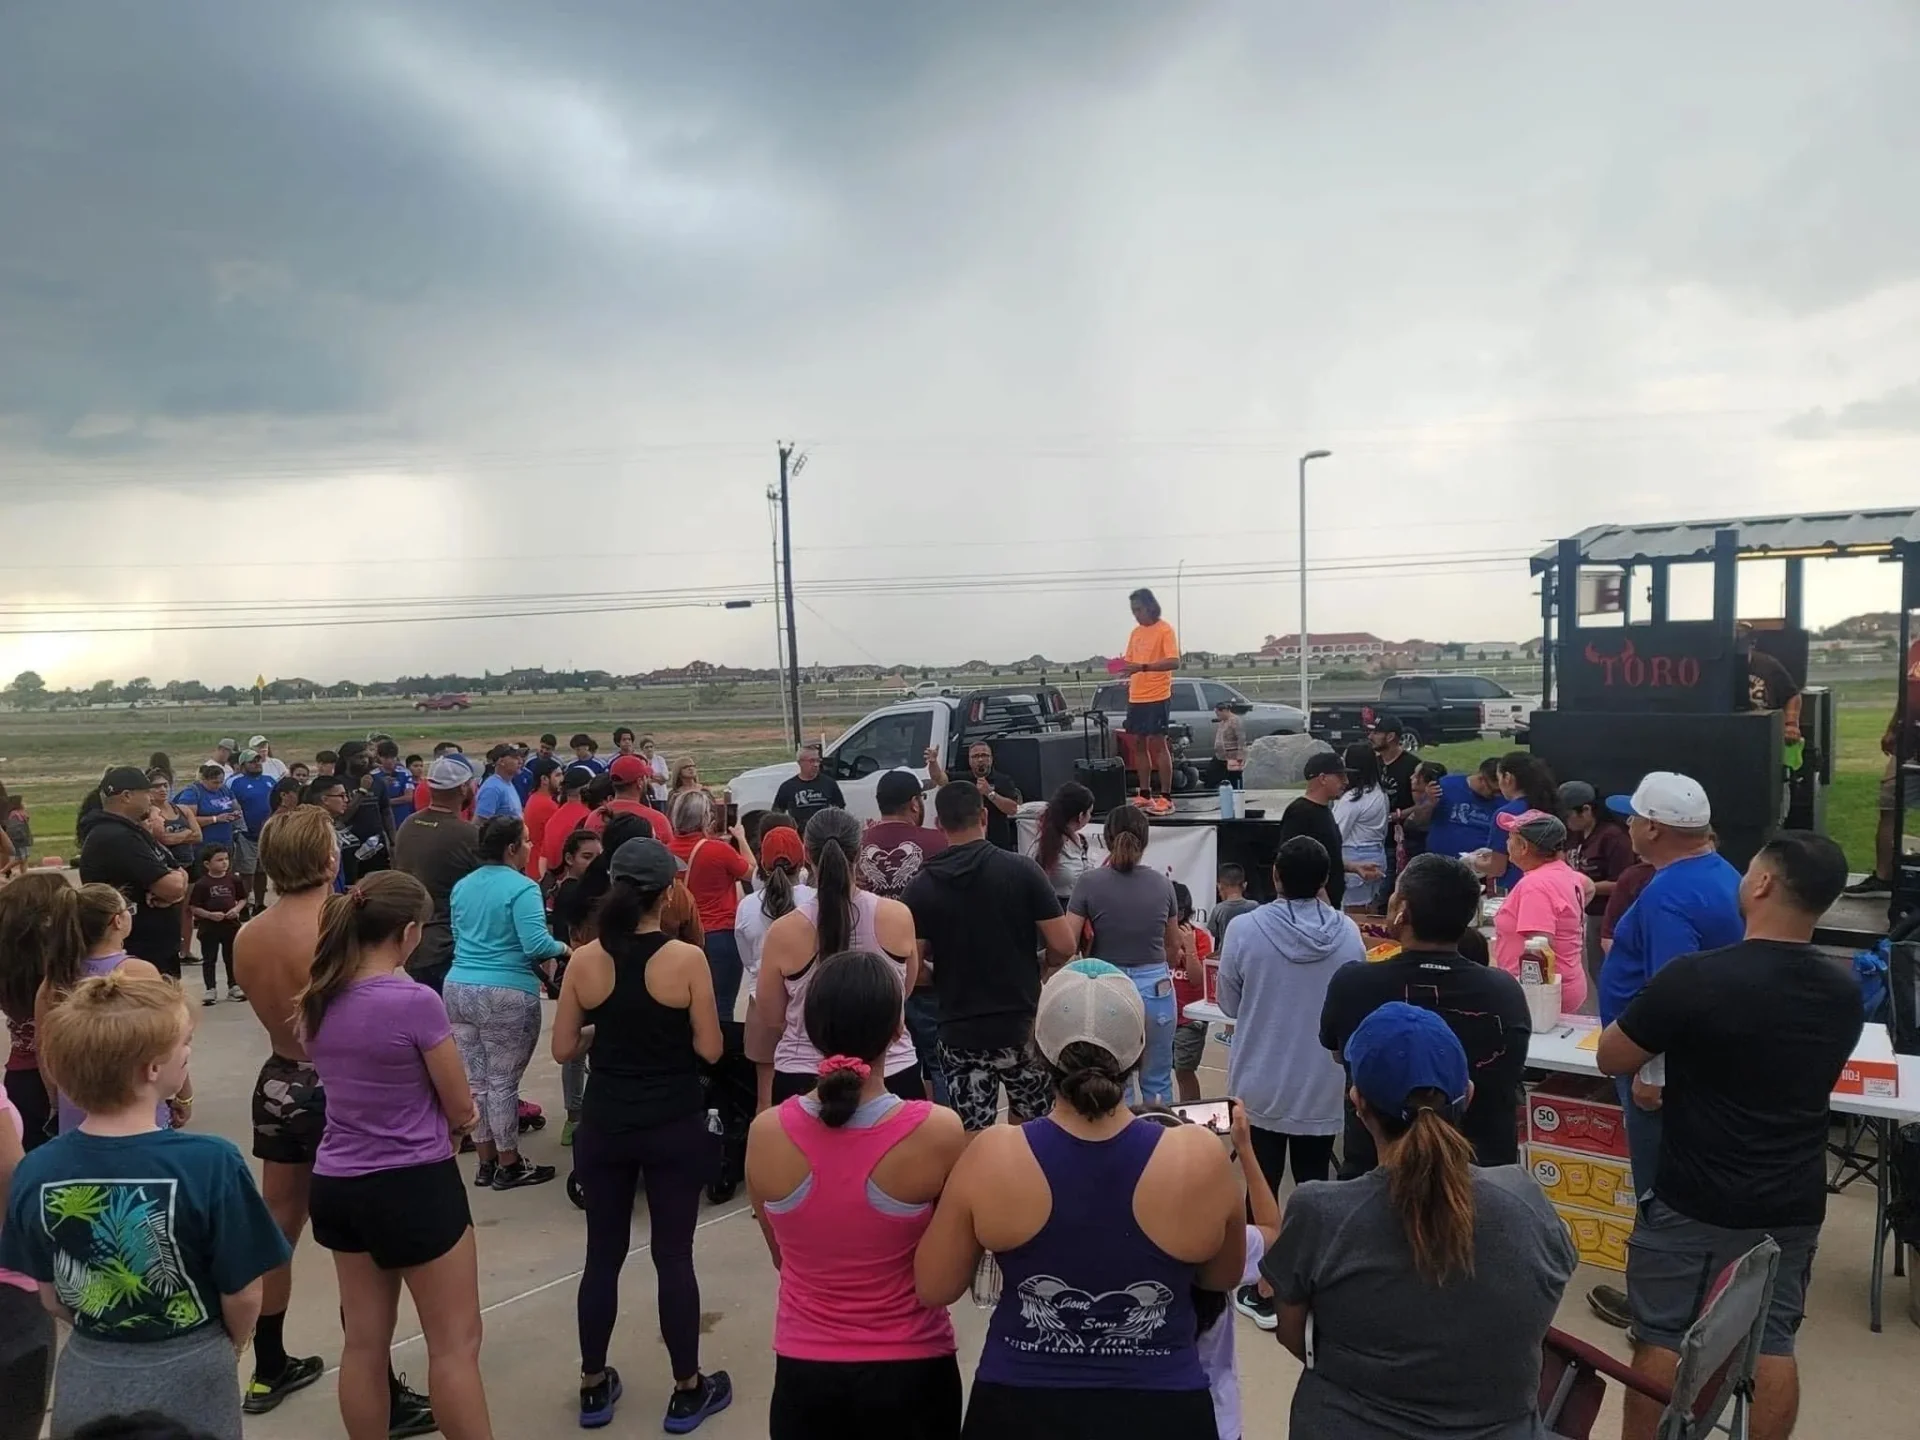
(1627, 692)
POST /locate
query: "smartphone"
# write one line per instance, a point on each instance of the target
(1216, 1115)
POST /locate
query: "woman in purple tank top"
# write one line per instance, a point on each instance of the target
(1102, 1224)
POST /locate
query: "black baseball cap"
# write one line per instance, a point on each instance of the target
(1386, 725)
(1326, 763)
(578, 777)
(1577, 795)
(647, 863)
(542, 766)
(124, 778)
(895, 790)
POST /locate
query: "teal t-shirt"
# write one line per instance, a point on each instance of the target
(140, 1235)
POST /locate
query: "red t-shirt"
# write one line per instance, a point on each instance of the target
(1185, 991)
(541, 808)
(562, 823)
(662, 827)
(714, 876)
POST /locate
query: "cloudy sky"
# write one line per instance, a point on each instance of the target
(361, 314)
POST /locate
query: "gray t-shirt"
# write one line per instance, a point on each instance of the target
(1129, 910)
(1394, 1355)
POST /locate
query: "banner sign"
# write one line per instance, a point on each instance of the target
(1188, 854)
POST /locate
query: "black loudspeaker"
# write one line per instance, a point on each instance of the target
(1106, 778)
(1737, 759)
(1039, 763)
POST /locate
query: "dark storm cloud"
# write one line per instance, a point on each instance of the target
(1895, 413)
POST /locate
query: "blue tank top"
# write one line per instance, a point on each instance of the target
(1090, 1303)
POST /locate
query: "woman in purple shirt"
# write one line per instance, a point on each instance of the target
(388, 1199)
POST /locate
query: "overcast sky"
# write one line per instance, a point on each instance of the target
(361, 303)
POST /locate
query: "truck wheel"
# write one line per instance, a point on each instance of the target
(1410, 739)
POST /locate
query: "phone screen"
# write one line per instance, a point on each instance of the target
(1216, 1115)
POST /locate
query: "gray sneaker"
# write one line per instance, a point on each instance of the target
(234, 992)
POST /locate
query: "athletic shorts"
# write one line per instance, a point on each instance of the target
(1911, 785)
(1672, 1263)
(1189, 1044)
(289, 1112)
(1148, 717)
(975, 1077)
(246, 855)
(397, 1218)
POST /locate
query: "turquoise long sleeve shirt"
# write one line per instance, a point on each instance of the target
(499, 930)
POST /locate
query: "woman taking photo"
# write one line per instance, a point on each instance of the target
(843, 1182)
(1102, 1223)
(1062, 845)
(1549, 902)
(783, 858)
(1135, 920)
(387, 1198)
(1362, 812)
(837, 916)
(715, 867)
(492, 994)
(1430, 1281)
(645, 1004)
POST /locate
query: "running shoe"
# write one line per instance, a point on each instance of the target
(300, 1372)
(483, 1174)
(1160, 805)
(1871, 885)
(213, 998)
(1142, 802)
(1610, 1305)
(412, 1413)
(1256, 1307)
(597, 1401)
(234, 992)
(518, 1177)
(709, 1396)
(566, 1132)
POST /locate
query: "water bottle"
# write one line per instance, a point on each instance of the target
(1226, 802)
(714, 1127)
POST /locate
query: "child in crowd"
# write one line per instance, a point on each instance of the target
(151, 1243)
(217, 901)
(17, 825)
(1189, 985)
(1211, 1309)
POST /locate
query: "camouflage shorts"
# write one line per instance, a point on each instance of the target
(975, 1079)
(289, 1112)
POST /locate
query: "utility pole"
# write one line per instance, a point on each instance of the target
(786, 557)
(779, 623)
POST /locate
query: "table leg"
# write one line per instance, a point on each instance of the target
(1882, 1194)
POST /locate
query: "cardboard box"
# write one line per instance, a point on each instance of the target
(1210, 980)
(1873, 1070)
(1574, 1112)
(1576, 1180)
(1599, 1239)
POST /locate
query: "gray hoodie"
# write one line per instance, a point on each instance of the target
(1274, 973)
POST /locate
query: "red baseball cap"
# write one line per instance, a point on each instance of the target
(629, 770)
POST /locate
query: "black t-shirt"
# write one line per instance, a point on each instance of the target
(1484, 1007)
(1755, 1036)
(977, 908)
(1307, 817)
(1000, 828)
(1396, 778)
(1769, 686)
(117, 852)
(804, 799)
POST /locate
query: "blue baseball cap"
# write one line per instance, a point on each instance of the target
(1401, 1048)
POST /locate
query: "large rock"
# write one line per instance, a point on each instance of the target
(1275, 762)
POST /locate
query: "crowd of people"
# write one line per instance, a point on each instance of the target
(907, 984)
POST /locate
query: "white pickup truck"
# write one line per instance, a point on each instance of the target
(898, 736)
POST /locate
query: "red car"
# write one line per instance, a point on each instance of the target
(443, 702)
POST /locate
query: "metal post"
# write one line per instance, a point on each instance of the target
(793, 635)
(1796, 592)
(1657, 594)
(1306, 701)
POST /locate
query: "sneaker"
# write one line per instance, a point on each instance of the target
(1142, 802)
(234, 992)
(597, 1401)
(483, 1174)
(518, 1177)
(300, 1372)
(412, 1413)
(1160, 805)
(1610, 1305)
(1871, 885)
(213, 998)
(712, 1394)
(566, 1132)
(1256, 1307)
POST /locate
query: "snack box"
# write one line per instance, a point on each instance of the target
(1580, 1181)
(1210, 980)
(1600, 1239)
(1383, 950)
(1873, 1070)
(1574, 1112)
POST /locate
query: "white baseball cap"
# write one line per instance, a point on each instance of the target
(1666, 799)
(1094, 1002)
(449, 772)
(256, 742)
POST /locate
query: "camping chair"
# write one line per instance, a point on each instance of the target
(1718, 1355)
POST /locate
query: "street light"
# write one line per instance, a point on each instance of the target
(1306, 708)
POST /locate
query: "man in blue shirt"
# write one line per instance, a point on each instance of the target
(1462, 812)
(252, 790)
(393, 777)
(212, 804)
(1691, 904)
(497, 793)
(585, 752)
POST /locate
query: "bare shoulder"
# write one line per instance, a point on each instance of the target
(682, 956)
(136, 968)
(1192, 1151)
(942, 1132)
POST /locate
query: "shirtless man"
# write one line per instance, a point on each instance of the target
(299, 853)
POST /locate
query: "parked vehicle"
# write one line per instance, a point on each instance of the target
(898, 736)
(928, 687)
(1431, 709)
(1194, 700)
(443, 702)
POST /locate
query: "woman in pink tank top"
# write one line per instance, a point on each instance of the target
(843, 1181)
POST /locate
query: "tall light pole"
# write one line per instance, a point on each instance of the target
(790, 465)
(1179, 605)
(779, 625)
(1306, 704)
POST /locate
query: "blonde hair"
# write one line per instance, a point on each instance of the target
(680, 767)
(299, 850)
(99, 1037)
(370, 913)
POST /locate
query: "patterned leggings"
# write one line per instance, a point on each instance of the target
(495, 1028)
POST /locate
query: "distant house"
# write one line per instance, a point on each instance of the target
(1342, 645)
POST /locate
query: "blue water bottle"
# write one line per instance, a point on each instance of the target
(1226, 802)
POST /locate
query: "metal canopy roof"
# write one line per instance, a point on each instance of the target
(1835, 533)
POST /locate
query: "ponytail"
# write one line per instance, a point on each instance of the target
(1126, 833)
(371, 912)
(1071, 802)
(852, 1015)
(833, 838)
(1430, 1186)
(776, 898)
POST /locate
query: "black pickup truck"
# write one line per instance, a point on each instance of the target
(1431, 709)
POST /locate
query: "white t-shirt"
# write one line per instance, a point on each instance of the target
(1216, 1348)
(1363, 819)
(750, 924)
(273, 767)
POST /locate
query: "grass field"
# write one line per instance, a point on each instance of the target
(51, 758)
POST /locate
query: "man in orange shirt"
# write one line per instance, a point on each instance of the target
(1153, 654)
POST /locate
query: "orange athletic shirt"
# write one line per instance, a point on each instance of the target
(1148, 644)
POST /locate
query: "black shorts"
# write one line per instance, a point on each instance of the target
(1014, 1412)
(1148, 717)
(397, 1218)
(901, 1399)
(289, 1112)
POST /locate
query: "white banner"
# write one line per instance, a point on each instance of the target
(1188, 854)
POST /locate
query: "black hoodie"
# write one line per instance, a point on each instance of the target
(119, 852)
(977, 907)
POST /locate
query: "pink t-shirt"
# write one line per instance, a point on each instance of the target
(1551, 900)
(9, 1116)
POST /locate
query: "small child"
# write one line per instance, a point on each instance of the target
(218, 900)
(1189, 985)
(1229, 742)
(1215, 1341)
(150, 1243)
(18, 827)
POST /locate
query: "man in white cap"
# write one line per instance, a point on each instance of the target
(1691, 904)
(270, 764)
